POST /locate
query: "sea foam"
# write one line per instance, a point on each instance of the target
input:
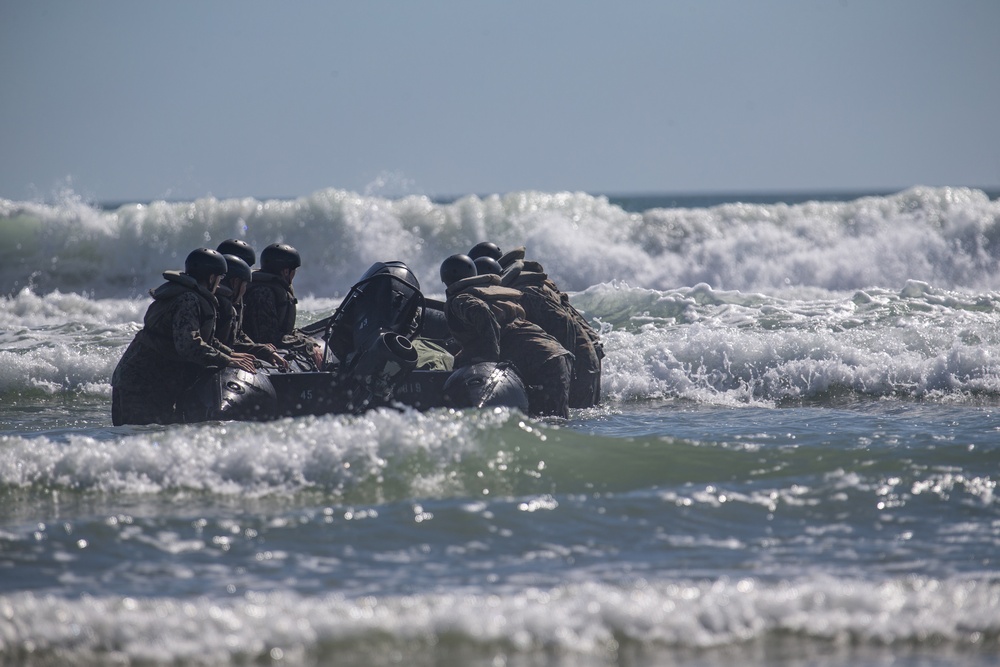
(947, 237)
(649, 622)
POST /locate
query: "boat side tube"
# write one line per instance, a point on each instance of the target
(486, 384)
(229, 393)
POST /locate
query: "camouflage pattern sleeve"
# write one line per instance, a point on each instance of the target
(222, 347)
(243, 343)
(188, 341)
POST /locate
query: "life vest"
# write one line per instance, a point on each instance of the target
(157, 331)
(524, 273)
(284, 297)
(502, 301)
(518, 275)
(512, 256)
(228, 319)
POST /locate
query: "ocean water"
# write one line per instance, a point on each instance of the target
(796, 462)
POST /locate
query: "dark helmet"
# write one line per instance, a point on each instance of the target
(456, 268)
(486, 265)
(237, 268)
(204, 262)
(485, 249)
(278, 256)
(239, 248)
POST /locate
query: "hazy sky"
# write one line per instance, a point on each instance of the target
(128, 100)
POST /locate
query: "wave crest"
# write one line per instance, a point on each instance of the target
(946, 236)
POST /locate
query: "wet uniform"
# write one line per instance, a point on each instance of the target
(551, 309)
(229, 326)
(176, 344)
(544, 307)
(269, 308)
(489, 323)
(269, 311)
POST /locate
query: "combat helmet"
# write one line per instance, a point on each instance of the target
(278, 256)
(457, 267)
(204, 262)
(485, 249)
(485, 265)
(240, 248)
(237, 268)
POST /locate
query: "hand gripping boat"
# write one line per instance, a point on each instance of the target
(370, 361)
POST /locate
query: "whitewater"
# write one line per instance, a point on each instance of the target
(795, 462)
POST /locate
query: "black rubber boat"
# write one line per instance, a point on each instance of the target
(371, 356)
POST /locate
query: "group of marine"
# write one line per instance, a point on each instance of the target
(220, 312)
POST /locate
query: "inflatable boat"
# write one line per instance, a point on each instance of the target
(370, 360)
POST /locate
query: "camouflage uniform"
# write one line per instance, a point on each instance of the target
(229, 318)
(175, 345)
(269, 310)
(489, 323)
(544, 306)
(229, 326)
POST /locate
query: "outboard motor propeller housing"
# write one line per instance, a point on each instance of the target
(375, 370)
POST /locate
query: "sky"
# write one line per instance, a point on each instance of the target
(117, 100)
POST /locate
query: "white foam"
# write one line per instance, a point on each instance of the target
(346, 457)
(700, 343)
(734, 348)
(942, 236)
(588, 621)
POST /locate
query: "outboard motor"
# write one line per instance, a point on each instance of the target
(371, 329)
(387, 298)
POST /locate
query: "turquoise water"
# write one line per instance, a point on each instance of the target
(796, 462)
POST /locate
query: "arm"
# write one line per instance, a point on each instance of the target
(188, 342)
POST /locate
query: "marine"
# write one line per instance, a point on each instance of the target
(230, 321)
(269, 305)
(175, 346)
(489, 323)
(229, 324)
(549, 308)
